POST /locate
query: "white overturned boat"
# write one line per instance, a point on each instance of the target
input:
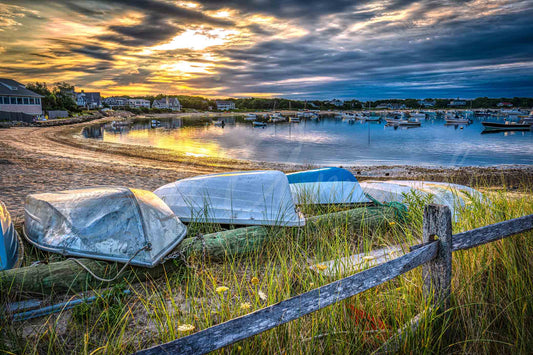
(242, 198)
(10, 246)
(326, 186)
(108, 223)
(454, 196)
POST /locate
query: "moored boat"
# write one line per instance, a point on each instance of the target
(240, 198)
(259, 124)
(108, 223)
(506, 126)
(326, 186)
(11, 249)
(250, 117)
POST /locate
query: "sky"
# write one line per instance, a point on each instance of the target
(312, 49)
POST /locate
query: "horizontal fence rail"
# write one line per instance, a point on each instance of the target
(437, 276)
(264, 319)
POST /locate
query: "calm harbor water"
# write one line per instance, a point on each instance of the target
(330, 141)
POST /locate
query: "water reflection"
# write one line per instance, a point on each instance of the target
(330, 141)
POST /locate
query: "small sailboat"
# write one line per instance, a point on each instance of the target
(454, 118)
(411, 122)
(109, 223)
(11, 250)
(241, 198)
(326, 186)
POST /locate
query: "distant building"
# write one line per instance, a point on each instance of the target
(455, 103)
(168, 103)
(427, 103)
(391, 106)
(15, 98)
(138, 103)
(335, 102)
(225, 105)
(89, 100)
(505, 104)
(115, 101)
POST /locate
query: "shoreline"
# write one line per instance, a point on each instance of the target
(42, 159)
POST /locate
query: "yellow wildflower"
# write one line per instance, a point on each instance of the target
(368, 257)
(254, 280)
(246, 305)
(221, 289)
(262, 295)
(185, 328)
(321, 267)
(392, 223)
(311, 284)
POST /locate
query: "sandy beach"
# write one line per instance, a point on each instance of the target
(43, 159)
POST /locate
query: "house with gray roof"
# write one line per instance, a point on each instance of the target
(169, 103)
(89, 100)
(15, 98)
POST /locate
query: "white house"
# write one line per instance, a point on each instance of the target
(225, 105)
(138, 103)
(456, 103)
(335, 102)
(14, 97)
(168, 103)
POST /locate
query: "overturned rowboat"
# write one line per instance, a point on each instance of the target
(108, 223)
(239, 198)
(455, 196)
(10, 246)
(326, 186)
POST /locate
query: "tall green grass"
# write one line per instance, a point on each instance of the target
(491, 307)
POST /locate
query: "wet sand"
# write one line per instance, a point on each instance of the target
(44, 159)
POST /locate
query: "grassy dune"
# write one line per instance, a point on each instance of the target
(491, 306)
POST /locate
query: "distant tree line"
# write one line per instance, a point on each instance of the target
(59, 97)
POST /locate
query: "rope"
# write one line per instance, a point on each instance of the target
(400, 210)
(146, 247)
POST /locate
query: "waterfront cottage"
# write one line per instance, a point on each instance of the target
(171, 103)
(89, 100)
(18, 103)
(138, 103)
(114, 101)
(225, 105)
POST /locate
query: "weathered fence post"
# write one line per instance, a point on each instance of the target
(438, 272)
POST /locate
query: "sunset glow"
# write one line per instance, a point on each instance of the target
(296, 49)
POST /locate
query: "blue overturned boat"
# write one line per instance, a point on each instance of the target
(10, 246)
(326, 186)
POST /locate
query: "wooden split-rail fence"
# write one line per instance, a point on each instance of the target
(434, 255)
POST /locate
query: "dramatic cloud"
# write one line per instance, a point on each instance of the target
(300, 49)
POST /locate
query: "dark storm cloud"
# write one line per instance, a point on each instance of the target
(355, 48)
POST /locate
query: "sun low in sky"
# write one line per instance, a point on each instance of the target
(296, 49)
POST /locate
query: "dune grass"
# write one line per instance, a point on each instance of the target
(491, 307)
